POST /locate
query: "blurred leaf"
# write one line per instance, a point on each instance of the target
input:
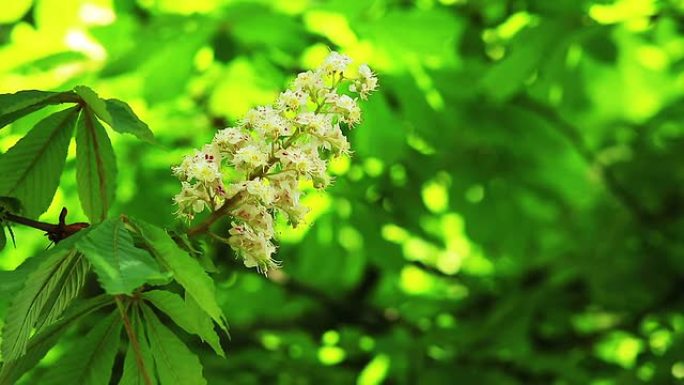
(600, 45)
(276, 30)
(530, 46)
(13, 11)
(3, 237)
(380, 127)
(403, 34)
(163, 82)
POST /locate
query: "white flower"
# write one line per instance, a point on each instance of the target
(253, 117)
(292, 100)
(309, 82)
(294, 159)
(229, 138)
(253, 247)
(192, 199)
(273, 149)
(314, 123)
(273, 125)
(335, 63)
(351, 113)
(250, 157)
(204, 171)
(261, 190)
(366, 83)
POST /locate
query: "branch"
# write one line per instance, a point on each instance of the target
(139, 361)
(56, 232)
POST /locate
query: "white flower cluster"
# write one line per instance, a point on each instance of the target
(253, 170)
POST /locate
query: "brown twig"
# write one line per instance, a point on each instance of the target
(55, 233)
(132, 338)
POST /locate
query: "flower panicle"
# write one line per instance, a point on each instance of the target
(259, 163)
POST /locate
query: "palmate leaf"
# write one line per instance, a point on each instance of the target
(120, 266)
(47, 292)
(176, 364)
(91, 360)
(186, 270)
(31, 169)
(95, 167)
(17, 105)
(42, 342)
(187, 315)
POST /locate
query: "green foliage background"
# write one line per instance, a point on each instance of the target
(512, 213)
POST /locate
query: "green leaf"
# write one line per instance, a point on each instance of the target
(31, 169)
(95, 167)
(3, 237)
(90, 362)
(10, 205)
(12, 281)
(96, 104)
(507, 77)
(74, 278)
(42, 342)
(120, 266)
(188, 315)
(47, 292)
(131, 372)
(186, 270)
(19, 104)
(176, 364)
(125, 121)
(204, 325)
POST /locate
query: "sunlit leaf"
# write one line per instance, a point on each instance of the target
(95, 167)
(120, 266)
(186, 270)
(32, 168)
(47, 291)
(124, 120)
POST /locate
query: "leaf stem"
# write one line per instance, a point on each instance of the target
(133, 340)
